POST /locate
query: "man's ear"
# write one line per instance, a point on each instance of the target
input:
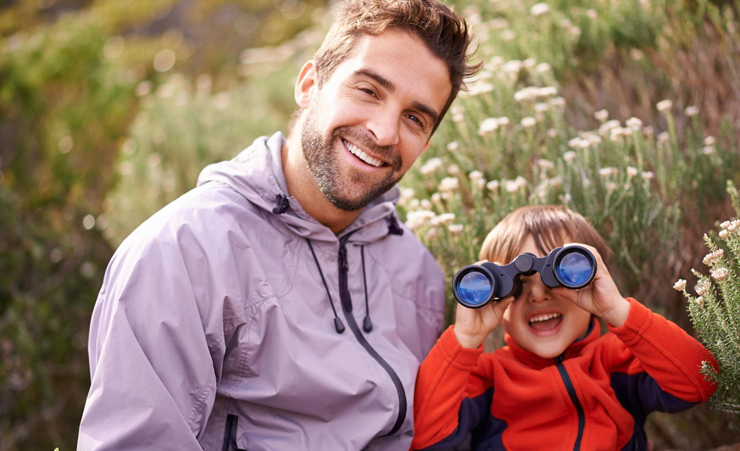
(426, 146)
(304, 86)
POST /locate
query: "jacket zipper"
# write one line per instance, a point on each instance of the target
(229, 443)
(347, 309)
(573, 397)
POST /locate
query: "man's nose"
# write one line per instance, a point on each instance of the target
(385, 127)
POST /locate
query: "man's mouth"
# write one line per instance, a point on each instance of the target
(359, 153)
(545, 321)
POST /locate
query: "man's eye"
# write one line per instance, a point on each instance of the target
(415, 119)
(368, 91)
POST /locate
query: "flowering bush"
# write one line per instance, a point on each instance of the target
(715, 309)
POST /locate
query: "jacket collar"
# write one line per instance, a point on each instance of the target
(257, 174)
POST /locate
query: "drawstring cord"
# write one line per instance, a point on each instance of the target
(367, 325)
(338, 324)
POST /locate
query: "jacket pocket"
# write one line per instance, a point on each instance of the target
(230, 434)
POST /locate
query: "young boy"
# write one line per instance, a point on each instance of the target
(556, 384)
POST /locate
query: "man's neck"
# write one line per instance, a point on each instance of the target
(303, 187)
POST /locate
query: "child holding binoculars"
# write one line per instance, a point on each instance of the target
(557, 384)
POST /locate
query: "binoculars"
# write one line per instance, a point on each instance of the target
(572, 267)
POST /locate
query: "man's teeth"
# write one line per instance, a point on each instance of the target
(543, 317)
(362, 155)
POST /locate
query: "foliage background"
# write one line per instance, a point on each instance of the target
(109, 109)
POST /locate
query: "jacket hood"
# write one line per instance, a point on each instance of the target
(257, 175)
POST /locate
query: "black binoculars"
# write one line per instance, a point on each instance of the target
(572, 267)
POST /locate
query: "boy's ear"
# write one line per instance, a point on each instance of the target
(305, 84)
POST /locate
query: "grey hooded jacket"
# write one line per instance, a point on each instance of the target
(215, 325)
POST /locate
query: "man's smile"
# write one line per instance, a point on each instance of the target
(361, 154)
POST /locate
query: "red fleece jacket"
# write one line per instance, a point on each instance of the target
(595, 396)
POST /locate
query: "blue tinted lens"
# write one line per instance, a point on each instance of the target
(574, 269)
(474, 288)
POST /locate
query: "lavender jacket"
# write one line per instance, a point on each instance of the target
(217, 323)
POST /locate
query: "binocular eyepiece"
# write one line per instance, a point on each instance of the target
(572, 267)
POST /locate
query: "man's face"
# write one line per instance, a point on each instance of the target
(370, 121)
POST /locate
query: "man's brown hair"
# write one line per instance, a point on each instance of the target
(549, 225)
(439, 27)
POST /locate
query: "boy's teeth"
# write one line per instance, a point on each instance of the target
(543, 317)
(362, 155)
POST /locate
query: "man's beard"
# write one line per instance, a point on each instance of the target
(322, 162)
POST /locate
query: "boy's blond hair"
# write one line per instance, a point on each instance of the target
(550, 225)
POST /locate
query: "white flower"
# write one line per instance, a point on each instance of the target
(512, 186)
(713, 256)
(453, 169)
(707, 150)
(475, 175)
(444, 218)
(455, 229)
(503, 121)
(664, 106)
(526, 94)
(431, 165)
(691, 111)
(591, 14)
(547, 91)
(702, 287)
(723, 234)
(575, 31)
(512, 67)
(458, 117)
(488, 126)
(608, 172)
(601, 115)
(448, 184)
(578, 143)
(725, 225)
(680, 285)
(407, 193)
(417, 218)
(648, 175)
(663, 137)
(720, 274)
(426, 204)
(610, 186)
(634, 123)
(453, 146)
(545, 164)
(541, 107)
(557, 102)
(710, 141)
(539, 9)
(528, 122)
(631, 171)
(700, 302)
(607, 127)
(493, 185)
(543, 68)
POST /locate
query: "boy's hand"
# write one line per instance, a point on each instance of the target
(601, 297)
(472, 326)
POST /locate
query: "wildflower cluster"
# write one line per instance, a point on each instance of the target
(715, 310)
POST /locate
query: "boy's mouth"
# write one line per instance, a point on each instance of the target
(545, 321)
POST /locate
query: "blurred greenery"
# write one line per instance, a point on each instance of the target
(108, 110)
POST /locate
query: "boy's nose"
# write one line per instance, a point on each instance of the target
(539, 292)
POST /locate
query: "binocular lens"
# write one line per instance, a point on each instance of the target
(575, 269)
(474, 288)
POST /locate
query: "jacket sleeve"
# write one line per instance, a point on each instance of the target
(448, 398)
(154, 351)
(658, 369)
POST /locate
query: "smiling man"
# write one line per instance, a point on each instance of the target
(280, 305)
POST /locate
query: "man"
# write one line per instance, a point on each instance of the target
(280, 305)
